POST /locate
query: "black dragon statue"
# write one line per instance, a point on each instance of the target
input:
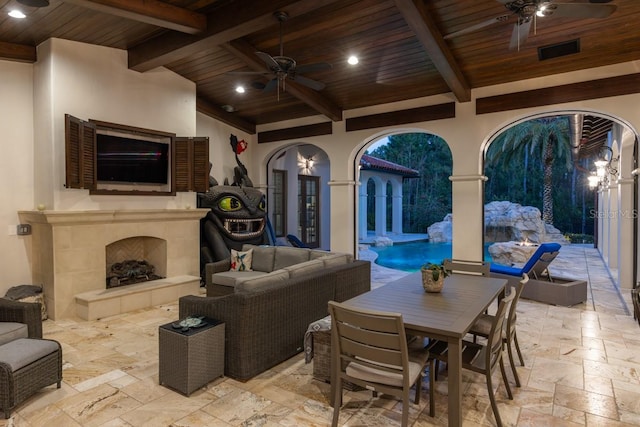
(237, 215)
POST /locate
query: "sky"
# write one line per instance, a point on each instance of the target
(378, 143)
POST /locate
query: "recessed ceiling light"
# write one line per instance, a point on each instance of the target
(17, 14)
(34, 3)
(228, 108)
(240, 89)
(353, 60)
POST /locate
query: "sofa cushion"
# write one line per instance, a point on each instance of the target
(263, 281)
(241, 261)
(317, 253)
(231, 278)
(288, 256)
(23, 351)
(334, 259)
(305, 267)
(263, 257)
(10, 331)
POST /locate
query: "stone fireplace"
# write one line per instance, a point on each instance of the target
(72, 250)
(134, 250)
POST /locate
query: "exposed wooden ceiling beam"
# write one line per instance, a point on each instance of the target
(229, 22)
(418, 19)
(246, 52)
(152, 12)
(208, 109)
(18, 52)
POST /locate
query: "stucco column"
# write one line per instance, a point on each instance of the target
(381, 208)
(396, 208)
(362, 210)
(343, 216)
(614, 223)
(468, 216)
(626, 220)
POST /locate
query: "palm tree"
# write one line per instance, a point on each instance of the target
(546, 138)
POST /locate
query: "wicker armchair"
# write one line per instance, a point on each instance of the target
(22, 312)
(26, 364)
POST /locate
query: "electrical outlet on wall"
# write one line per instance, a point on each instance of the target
(23, 229)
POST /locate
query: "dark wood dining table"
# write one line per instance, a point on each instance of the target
(447, 315)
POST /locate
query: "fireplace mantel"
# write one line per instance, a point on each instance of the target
(68, 248)
(110, 216)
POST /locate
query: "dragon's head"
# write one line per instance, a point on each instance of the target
(238, 212)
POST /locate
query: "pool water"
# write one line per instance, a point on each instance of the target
(411, 256)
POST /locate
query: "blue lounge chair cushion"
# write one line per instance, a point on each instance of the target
(514, 271)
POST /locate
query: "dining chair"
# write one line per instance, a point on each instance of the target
(485, 358)
(461, 266)
(370, 349)
(482, 328)
(456, 266)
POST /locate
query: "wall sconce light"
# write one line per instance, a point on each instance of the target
(309, 163)
(606, 166)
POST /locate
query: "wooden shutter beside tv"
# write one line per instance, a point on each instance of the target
(190, 160)
(80, 153)
(191, 166)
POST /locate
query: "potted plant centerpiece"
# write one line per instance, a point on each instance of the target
(433, 276)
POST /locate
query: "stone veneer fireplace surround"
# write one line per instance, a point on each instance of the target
(69, 247)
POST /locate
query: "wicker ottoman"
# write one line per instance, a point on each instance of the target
(191, 359)
(322, 359)
(27, 365)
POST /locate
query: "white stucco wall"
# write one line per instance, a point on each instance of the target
(93, 82)
(16, 169)
(220, 153)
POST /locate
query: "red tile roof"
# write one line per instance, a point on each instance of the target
(368, 162)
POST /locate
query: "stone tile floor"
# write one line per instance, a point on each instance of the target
(581, 369)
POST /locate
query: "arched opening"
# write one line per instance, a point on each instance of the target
(404, 189)
(298, 195)
(604, 215)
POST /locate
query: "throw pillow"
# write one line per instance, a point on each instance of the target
(241, 261)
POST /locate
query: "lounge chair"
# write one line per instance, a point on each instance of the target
(536, 266)
(542, 286)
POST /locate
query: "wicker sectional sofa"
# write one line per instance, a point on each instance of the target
(267, 316)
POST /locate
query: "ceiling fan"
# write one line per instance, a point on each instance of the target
(527, 12)
(284, 67)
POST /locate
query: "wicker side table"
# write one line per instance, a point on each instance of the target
(191, 359)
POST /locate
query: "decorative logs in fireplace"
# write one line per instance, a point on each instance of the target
(129, 272)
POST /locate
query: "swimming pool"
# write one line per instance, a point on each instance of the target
(411, 256)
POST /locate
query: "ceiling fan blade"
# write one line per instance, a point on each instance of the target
(478, 26)
(247, 73)
(520, 34)
(310, 68)
(271, 85)
(268, 59)
(313, 84)
(580, 10)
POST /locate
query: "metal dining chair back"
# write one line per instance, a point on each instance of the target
(482, 328)
(486, 358)
(369, 349)
(483, 358)
(461, 266)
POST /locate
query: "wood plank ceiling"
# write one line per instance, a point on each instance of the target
(402, 45)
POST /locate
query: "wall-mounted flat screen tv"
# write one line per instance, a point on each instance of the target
(128, 160)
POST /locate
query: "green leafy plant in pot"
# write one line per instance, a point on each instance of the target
(433, 276)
